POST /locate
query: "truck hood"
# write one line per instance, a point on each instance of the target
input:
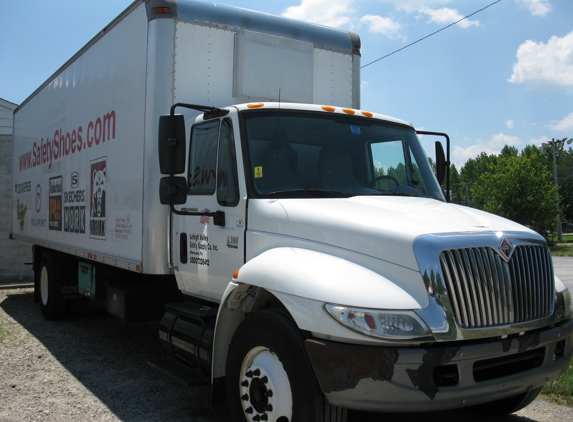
(379, 226)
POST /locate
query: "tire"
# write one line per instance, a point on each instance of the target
(507, 405)
(50, 283)
(270, 377)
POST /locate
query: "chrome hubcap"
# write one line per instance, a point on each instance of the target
(264, 387)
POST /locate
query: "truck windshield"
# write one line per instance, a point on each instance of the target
(308, 154)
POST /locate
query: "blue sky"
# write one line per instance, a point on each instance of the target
(503, 76)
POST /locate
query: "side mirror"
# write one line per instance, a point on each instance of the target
(440, 163)
(171, 142)
(173, 192)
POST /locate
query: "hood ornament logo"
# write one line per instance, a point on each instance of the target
(506, 248)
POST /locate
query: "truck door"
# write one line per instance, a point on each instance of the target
(205, 254)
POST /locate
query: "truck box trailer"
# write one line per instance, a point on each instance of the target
(211, 167)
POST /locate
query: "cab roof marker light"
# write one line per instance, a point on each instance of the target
(236, 274)
(255, 105)
(367, 114)
(348, 111)
(329, 108)
(162, 10)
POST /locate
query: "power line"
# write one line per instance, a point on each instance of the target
(433, 33)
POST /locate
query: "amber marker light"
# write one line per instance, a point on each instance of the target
(367, 114)
(370, 321)
(328, 108)
(348, 111)
(162, 10)
(236, 274)
(138, 268)
(257, 105)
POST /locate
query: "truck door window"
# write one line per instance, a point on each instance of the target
(202, 178)
(227, 179)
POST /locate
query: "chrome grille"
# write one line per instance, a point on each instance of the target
(486, 291)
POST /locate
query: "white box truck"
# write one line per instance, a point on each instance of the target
(210, 167)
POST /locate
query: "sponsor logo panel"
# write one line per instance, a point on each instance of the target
(75, 215)
(98, 184)
(55, 200)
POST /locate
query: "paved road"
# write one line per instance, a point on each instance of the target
(563, 267)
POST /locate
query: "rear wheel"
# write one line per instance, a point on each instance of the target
(508, 405)
(270, 377)
(50, 283)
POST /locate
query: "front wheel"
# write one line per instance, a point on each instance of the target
(270, 377)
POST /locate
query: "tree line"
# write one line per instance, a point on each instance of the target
(518, 186)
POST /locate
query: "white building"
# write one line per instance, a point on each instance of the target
(15, 254)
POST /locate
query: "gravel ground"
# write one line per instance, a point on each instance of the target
(94, 368)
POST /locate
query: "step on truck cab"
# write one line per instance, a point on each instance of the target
(211, 168)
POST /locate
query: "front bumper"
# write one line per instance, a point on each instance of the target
(439, 377)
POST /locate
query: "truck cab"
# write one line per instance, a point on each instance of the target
(326, 226)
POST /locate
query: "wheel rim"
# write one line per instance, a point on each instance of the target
(264, 387)
(44, 285)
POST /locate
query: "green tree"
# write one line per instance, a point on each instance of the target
(508, 151)
(519, 188)
(470, 174)
(534, 152)
(457, 187)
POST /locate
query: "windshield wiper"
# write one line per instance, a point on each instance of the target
(317, 192)
(396, 194)
(418, 194)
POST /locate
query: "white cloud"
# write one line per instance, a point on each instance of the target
(380, 25)
(545, 65)
(447, 16)
(412, 6)
(500, 140)
(342, 14)
(510, 124)
(564, 125)
(492, 146)
(337, 13)
(461, 155)
(538, 141)
(537, 7)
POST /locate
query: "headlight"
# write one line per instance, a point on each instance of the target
(386, 324)
(567, 300)
(563, 309)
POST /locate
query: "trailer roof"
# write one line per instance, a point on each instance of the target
(237, 19)
(232, 18)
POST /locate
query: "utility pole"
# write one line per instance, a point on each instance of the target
(555, 144)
